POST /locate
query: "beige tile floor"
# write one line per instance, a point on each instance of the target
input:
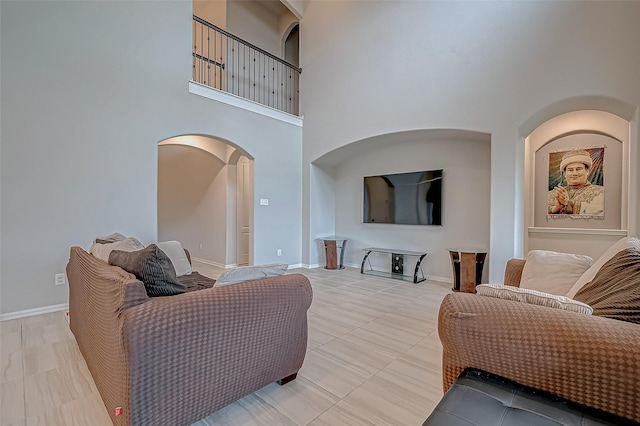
(373, 358)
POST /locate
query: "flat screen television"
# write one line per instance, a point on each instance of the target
(413, 198)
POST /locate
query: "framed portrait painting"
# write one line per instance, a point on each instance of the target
(576, 186)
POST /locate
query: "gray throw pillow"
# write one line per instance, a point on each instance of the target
(151, 266)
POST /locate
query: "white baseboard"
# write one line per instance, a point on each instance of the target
(212, 263)
(34, 311)
(297, 265)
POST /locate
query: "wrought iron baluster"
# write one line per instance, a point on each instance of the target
(257, 75)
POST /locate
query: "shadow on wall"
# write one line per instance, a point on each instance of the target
(198, 198)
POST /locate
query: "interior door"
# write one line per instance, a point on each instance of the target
(244, 199)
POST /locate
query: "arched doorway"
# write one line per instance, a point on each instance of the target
(200, 180)
(292, 46)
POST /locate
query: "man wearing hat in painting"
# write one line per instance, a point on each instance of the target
(579, 197)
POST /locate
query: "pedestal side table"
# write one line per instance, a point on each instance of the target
(467, 268)
(331, 246)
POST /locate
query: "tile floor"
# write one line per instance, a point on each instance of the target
(373, 358)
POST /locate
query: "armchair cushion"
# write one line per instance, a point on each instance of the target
(151, 266)
(615, 290)
(553, 272)
(534, 297)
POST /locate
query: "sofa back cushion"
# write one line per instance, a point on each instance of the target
(553, 272)
(615, 290)
(151, 266)
(177, 255)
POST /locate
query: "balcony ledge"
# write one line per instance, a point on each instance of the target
(236, 101)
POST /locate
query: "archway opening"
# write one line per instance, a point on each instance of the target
(205, 193)
(292, 46)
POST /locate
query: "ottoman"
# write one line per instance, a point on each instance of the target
(478, 398)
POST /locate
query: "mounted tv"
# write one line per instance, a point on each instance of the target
(413, 198)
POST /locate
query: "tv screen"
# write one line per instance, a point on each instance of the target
(413, 198)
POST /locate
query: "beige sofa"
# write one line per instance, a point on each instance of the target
(174, 360)
(588, 359)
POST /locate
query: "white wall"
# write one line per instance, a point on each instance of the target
(88, 91)
(214, 12)
(192, 201)
(491, 67)
(466, 187)
(256, 24)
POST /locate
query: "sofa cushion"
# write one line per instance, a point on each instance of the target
(249, 273)
(623, 243)
(102, 250)
(553, 272)
(151, 266)
(533, 297)
(615, 290)
(178, 257)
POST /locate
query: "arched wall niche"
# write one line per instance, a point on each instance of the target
(198, 204)
(336, 195)
(588, 128)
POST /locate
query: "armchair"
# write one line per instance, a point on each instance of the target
(594, 361)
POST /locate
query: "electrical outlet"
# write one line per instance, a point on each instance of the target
(61, 279)
(279, 252)
(264, 201)
(200, 246)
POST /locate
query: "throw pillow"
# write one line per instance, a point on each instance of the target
(533, 297)
(553, 272)
(615, 290)
(151, 266)
(102, 250)
(623, 243)
(249, 273)
(178, 257)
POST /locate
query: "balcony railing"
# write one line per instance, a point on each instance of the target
(228, 63)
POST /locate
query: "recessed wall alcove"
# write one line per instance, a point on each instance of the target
(337, 195)
(205, 198)
(577, 233)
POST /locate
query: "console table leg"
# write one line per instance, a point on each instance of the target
(342, 247)
(415, 272)
(364, 259)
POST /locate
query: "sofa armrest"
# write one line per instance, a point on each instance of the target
(513, 272)
(203, 350)
(587, 359)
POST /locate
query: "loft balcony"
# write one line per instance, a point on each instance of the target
(227, 63)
